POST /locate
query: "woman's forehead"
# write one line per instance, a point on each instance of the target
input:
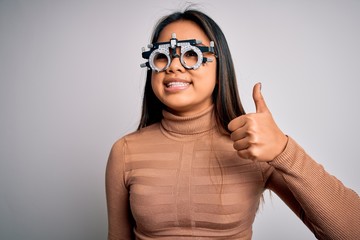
(184, 30)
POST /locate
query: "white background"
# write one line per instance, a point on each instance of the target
(71, 85)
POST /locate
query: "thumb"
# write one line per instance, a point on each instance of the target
(259, 99)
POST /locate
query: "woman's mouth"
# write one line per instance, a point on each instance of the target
(174, 87)
(177, 84)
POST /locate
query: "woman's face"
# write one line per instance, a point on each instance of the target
(185, 92)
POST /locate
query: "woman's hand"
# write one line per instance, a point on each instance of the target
(256, 135)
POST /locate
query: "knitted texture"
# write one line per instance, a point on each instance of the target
(182, 179)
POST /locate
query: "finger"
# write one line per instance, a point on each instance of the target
(241, 144)
(236, 123)
(259, 99)
(238, 134)
(245, 154)
(249, 153)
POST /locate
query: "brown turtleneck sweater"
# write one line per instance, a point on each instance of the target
(182, 179)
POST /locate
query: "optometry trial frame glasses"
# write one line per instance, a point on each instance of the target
(191, 56)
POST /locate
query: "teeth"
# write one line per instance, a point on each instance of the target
(177, 84)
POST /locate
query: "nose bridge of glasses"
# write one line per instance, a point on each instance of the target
(175, 58)
(175, 52)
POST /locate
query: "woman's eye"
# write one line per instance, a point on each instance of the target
(190, 54)
(161, 57)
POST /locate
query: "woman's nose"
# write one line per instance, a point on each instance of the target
(175, 64)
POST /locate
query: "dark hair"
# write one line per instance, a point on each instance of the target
(225, 96)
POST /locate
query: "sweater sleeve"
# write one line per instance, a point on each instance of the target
(117, 196)
(327, 207)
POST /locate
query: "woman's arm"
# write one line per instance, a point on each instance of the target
(117, 196)
(326, 206)
(331, 210)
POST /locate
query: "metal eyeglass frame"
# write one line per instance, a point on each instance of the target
(185, 46)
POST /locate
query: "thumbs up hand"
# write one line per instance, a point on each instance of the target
(256, 135)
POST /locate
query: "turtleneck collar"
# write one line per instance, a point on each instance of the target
(180, 127)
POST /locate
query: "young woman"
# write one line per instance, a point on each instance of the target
(197, 166)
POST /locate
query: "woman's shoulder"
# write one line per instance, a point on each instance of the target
(143, 134)
(140, 140)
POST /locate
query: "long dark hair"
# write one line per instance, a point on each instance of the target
(227, 104)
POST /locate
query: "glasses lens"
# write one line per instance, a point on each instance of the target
(190, 58)
(160, 60)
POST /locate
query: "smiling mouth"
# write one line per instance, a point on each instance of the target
(177, 84)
